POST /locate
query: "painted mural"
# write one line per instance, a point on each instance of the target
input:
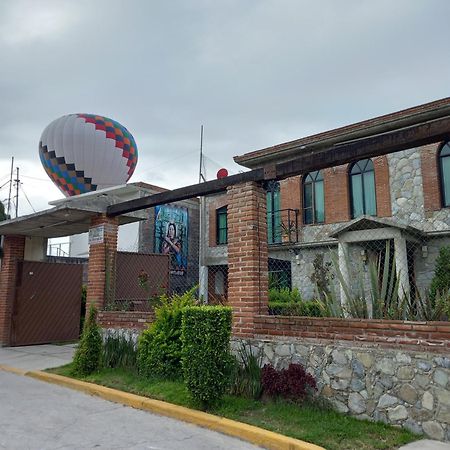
(171, 236)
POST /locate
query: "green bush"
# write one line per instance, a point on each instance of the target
(88, 354)
(440, 283)
(118, 351)
(309, 308)
(159, 347)
(206, 359)
(284, 295)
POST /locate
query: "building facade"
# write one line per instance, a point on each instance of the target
(390, 210)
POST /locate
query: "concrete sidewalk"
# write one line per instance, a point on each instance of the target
(37, 357)
(426, 444)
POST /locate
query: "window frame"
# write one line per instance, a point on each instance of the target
(312, 182)
(444, 202)
(362, 173)
(223, 211)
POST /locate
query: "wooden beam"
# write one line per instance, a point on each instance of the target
(194, 190)
(341, 153)
(382, 144)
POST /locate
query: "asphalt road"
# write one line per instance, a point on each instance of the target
(37, 415)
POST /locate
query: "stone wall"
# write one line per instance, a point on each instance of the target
(400, 387)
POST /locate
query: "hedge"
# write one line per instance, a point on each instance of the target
(206, 358)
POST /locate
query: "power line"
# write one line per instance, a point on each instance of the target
(26, 197)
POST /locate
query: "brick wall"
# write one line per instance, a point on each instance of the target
(337, 202)
(428, 336)
(247, 255)
(102, 259)
(131, 320)
(291, 193)
(430, 177)
(14, 247)
(382, 187)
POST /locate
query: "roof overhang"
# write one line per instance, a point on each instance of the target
(367, 223)
(56, 222)
(288, 151)
(72, 215)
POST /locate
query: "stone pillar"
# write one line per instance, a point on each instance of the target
(247, 256)
(102, 261)
(401, 266)
(343, 267)
(13, 248)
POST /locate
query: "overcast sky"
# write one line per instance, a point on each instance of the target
(254, 73)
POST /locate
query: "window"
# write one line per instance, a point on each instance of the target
(273, 213)
(221, 226)
(444, 165)
(362, 188)
(313, 198)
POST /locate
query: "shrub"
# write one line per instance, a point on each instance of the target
(206, 360)
(246, 376)
(284, 295)
(309, 308)
(118, 351)
(440, 283)
(159, 347)
(293, 383)
(88, 354)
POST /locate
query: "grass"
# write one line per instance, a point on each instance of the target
(307, 422)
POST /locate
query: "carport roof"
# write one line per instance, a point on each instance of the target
(73, 215)
(56, 222)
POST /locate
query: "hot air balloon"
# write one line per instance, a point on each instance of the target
(86, 152)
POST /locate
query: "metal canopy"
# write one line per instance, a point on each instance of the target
(55, 222)
(72, 215)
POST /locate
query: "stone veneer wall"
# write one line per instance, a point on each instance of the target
(396, 386)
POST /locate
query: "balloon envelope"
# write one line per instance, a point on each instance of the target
(87, 152)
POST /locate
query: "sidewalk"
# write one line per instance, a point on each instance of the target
(37, 357)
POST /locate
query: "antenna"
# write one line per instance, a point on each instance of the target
(200, 174)
(10, 187)
(17, 181)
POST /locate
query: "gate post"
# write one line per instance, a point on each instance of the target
(102, 261)
(247, 256)
(13, 253)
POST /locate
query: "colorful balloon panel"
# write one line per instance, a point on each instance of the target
(87, 152)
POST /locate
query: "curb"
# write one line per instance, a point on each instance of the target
(249, 433)
(6, 368)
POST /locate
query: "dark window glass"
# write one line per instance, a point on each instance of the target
(221, 221)
(362, 188)
(313, 198)
(444, 162)
(274, 229)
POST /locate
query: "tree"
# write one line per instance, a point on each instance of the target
(440, 284)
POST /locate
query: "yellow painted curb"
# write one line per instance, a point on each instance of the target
(12, 369)
(255, 435)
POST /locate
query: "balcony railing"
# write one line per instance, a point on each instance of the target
(282, 226)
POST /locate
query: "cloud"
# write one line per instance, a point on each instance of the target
(254, 73)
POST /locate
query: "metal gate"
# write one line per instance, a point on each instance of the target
(47, 304)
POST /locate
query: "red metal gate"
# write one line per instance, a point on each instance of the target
(47, 304)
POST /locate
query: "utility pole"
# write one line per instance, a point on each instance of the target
(17, 181)
(203, 270)
(8, 211)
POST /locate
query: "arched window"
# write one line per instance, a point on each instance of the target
(362, 188)
(274, 230)
(444, 165)
(313, 198)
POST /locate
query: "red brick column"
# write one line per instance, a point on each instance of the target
(102, 263)
(13, 247)
(247, 256)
